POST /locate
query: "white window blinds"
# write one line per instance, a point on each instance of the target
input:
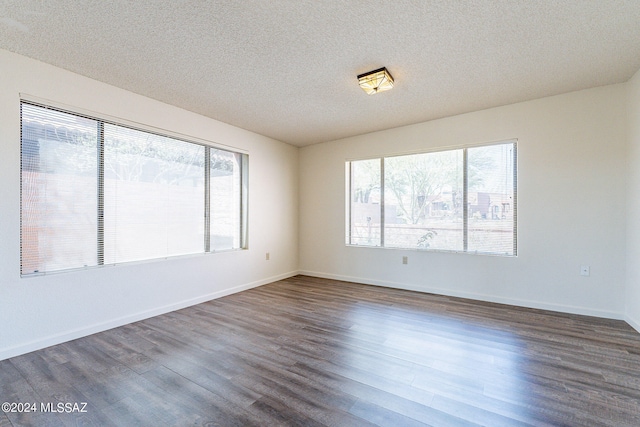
(225, 195)
(95, 193)
(153, 196)
(59, 224)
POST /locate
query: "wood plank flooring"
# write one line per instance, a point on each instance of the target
(315, 352)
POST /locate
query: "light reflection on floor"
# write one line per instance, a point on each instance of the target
(446, 361)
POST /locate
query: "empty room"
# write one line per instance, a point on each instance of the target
(320, 213)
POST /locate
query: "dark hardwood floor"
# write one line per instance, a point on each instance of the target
(315, 352)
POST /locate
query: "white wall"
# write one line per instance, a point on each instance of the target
(633, 210)
(40, 311)
(571, 206)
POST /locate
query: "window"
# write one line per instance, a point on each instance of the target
(59, 225)
(95, 192)
(460, 200)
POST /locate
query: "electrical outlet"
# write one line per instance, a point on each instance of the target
(267, 256)
(405, 260)
(585, 270)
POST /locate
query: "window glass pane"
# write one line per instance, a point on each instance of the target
(365, 226)
(225, 199)
(153, 196)
(423, 201)
(491, 199)
(59, 181)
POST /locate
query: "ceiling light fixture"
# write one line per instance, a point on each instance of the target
(376, 81)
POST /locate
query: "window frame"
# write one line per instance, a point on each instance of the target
(101, 120)
(465, 205)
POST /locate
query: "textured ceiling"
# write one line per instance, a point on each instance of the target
(287, 68)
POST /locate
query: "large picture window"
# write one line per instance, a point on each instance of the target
(460, 200)
(96, 192)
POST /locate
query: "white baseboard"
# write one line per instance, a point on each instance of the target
(475, 296)
(125, 320)
(633, 323)
(99, 327)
